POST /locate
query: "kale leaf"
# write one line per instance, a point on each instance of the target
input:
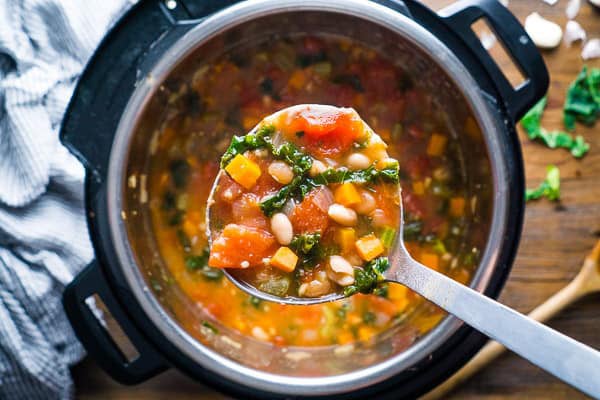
(366, 279)
(583, 99)
(531, 122)
(391, 174)
(251, 141)
(199, 264)
(549, 188)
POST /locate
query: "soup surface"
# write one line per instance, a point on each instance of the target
(230, 95)
(306, 204)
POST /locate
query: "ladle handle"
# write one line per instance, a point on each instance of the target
(571, 361)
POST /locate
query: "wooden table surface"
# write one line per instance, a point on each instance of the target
(555, 239)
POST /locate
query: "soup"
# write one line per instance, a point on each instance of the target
(306, 204)
(229, 95)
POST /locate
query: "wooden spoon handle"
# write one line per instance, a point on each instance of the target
(577, 288)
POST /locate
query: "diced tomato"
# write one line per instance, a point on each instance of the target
(239, 243)
(327, 131)
(308, 216)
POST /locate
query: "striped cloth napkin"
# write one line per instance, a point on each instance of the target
(44, 45)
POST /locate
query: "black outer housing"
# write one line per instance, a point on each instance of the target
(88, 130)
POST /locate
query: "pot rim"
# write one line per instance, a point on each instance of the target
(215, 25)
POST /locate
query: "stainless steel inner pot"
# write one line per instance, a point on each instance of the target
(244, 360)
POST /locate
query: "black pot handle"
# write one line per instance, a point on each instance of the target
(462, 14)
(96, 339)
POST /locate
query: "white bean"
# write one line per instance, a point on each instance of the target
(282, 228)
(340, 271)
(316, 287)
(281, 172)
(379, 219)
(340, 265)
(342, 215)
(316, 168)
(357, 161)
(367, 203)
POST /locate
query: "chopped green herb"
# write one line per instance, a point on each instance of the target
(304, 60)
(251, 141)
(210, 327)
(351, 80)
(549, 188)
(288, 152)
(382, 290)
(184, 240)
(169, 201)
(266, 86)
(199, 264)
(583, 99)
(369, 317)
(305, 242)
(176, 218)
(155, 285)
(366, 279)
(388, 174)
(180, 171)
(342, 312)
(412, 230)
(255, 302)
(531, 122)
(308, 244)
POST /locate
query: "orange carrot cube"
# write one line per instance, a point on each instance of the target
(284, 259)
(369, 247)
(243, 170)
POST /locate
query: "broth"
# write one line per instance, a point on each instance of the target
(230, 94)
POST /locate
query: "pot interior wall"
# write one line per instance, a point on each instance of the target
(147, 158)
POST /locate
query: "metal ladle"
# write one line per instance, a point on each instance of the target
(565, 358)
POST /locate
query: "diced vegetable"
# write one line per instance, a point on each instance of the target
(387, 237)
(549, 188)
(347, 195)
(297, 79)
(284, 259)
(238, 243)
(418, 188)
(244, 171)
(457, 206)
(436, 145)
(345, 238)
(369, 247)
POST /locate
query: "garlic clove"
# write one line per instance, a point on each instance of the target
(573, 33)
(573, 8)
(544, 33)
(591, 49)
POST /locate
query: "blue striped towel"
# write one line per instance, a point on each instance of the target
(44, 45)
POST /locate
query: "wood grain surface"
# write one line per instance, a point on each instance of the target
(555, 239)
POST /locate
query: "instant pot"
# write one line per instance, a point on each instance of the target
(108, 127)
